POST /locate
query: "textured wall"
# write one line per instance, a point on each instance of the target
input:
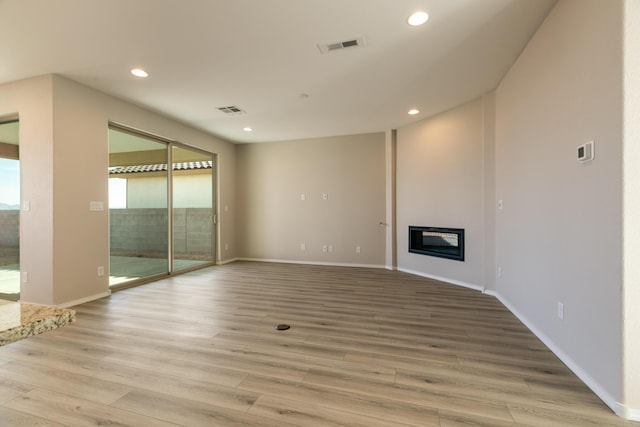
(143, 232)
(9, 228)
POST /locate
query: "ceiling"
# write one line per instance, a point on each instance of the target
(263, 57)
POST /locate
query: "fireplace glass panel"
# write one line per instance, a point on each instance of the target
(438, 242)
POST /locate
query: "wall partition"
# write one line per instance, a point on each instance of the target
(161, 219)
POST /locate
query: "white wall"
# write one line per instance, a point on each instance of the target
(558, 238)
(63, 136)
(275, 221)
(440, 183)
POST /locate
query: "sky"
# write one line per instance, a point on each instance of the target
(10, 181)
(117, 193)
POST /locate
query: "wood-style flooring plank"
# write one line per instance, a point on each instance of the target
(196, 390)
(11, 389)
(73, 411)
(393, 411)
(13, 418)
(455, 419)
(54, 359)
(406, 393)
(65, 382)
(310, 415)
(190, 413)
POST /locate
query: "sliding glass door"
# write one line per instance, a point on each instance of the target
(9, 211)
(161, 219)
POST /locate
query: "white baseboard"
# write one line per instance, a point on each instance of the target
(85, 299)
(443, 279)
(632, 414)
(288, 261)
(606, 397)
(226, 261)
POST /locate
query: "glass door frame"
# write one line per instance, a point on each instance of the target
(170, 215)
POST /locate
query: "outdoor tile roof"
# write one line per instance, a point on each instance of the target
(115, 170)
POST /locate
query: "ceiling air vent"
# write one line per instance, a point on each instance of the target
(232, 110)
(330, 47)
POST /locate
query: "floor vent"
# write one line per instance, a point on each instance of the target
(330, 47)
(232, 110)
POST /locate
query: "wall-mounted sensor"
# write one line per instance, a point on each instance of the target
(585, 152)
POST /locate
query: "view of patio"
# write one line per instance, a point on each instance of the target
(9, 254)
(10, 281)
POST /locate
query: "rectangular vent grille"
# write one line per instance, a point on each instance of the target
(232, 110)
(330, 47)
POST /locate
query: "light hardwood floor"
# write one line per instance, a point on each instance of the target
(366, 347)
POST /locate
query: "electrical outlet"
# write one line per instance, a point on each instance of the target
(325, 248)
(499, 271)
(325, 196)
(303, 197)
(25, 277)
(100, 271)
(357, 249)
(303, 247)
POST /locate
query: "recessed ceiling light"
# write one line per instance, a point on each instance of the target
(139, 72)
(413, 111)
(418, 18)
(247, 129)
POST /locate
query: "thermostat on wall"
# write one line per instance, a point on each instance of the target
(585, 152)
